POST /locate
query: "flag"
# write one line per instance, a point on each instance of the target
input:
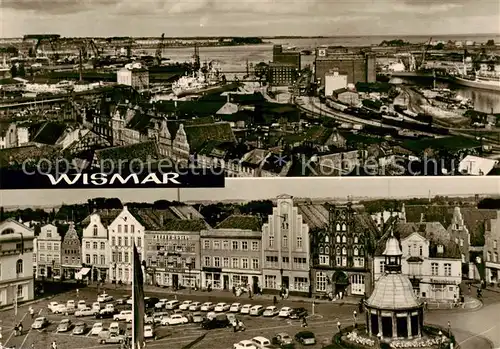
(138, 297)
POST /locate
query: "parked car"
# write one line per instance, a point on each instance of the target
(305, 338)
(59, 309)
(298, 313)
(195, 306)
(123, 300)
(150, 302)
(271, 311)
(261, 342)
(124, 315)
(96, 306)
(70, 304)
(80, 328)
(64, 326)
(149, 332)
(285, 312)
(104, 298)
(158, 316)
(176, 319)
(52, 306)
(149, 319)
(81, 304)
(85, 312)
(221, 307)
(70, 311)
(235, 308)
(114, 327)
(219, 321)
(96, 329)
(171, 305)
(40, 323)
(207, 306)
(283, 340)
(257, 310)
(244, 344)
(246, 309)
(105, 337)
(161, 303)
(185, 305)
(105, 314)
(198, 317)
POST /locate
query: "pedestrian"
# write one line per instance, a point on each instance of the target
(235, 326)
(32, 345)
(469, 288)
(20, 328)
(54, 345)
(275, 300)
(241, 325)
(304, 322)
(234, 291)
(339, 327)
(32, 312)
(77, 292)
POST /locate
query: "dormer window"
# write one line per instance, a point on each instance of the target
(440, 249)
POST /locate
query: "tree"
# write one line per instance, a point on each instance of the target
(21, 72)
(439, 46)
(490, 42)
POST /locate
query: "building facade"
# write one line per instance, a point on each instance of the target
(341, 257)
(71, 253)
(282, 74)
(492, 251)
(173, 257)
(286, 57)
(123, 232)
(138, 78)
(285, 249)
(334, 80)
(431, 259)
(95, 248)
(49, 252)
(231, 258)
(16, 259)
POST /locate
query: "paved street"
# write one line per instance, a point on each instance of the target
(42, 339)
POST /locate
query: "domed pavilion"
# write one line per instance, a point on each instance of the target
(393, 310)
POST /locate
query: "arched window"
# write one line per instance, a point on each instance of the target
(355, 239)
(338, 226)
(344, 250)
(355, 251)
(19, 266)
(327, 250)
(361, 252)
(321, 250)
(337, 238)
(7, 231)
(95, 229)
(344, 227)
(327, 239)
(344, 239)
(337, 251)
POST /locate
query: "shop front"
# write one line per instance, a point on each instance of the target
(175, 278)
(492, 272)
(212, 277)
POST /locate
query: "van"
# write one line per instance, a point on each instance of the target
(171, 305)
(261, 342)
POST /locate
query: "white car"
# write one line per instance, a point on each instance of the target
(285, 312)
(81, 305)
(235, 308)
(70, 304)
(195, 306)
(244, 344)
(261, 342)
(175, 319)
(271, 311)
(171, 305)
(161, 303)
(103, 298)
(114, 327)
(52, 306)
(85, 312)
(96, 329)
(96, 307)
(256, 310)
(207, 306)
(221, 307)
(130, 301)
(185, 305)
(245, 309)
(59, 309)
(124, 315)
(148, 331)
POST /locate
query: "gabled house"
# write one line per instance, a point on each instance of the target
(71, 253)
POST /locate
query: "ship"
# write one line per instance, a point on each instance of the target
(490, 83)
(198, 82)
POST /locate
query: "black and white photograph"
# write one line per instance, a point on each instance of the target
(263, 88)
(291, 263)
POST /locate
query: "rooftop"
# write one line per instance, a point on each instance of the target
(393, 292)
(246, 222)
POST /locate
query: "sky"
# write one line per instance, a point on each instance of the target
(269, 188)
(248, 17)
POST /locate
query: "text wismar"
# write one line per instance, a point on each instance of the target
(104, 178)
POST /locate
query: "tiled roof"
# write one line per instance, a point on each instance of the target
(197, 135)
(49, 133)
(393, 291)
(173, 125)
(107, 217)
(28, 155)
(140, 122)
(246, 222)
(185, 225)
(429, 213)
(186, 212)
(142, 151)
(475, 220)
(314, 215)
(152, 219)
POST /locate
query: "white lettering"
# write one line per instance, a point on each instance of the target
(98, 178)
(152, 177)
(64, 178)
(118, 177)
(171, 177)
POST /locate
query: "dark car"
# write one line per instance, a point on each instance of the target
(219, 321)
(305, 338)
(298, 313)
(149, 302)
(283, 341)
(106, 314)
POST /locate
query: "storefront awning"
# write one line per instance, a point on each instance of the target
(84, 271)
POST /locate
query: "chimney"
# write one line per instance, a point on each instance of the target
(440, 249)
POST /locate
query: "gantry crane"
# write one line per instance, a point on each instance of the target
(40, 38)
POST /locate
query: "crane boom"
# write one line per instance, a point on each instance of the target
(424, 52)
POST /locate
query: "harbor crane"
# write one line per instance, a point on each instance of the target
(159, 50)
(424, 52)
(39, 39)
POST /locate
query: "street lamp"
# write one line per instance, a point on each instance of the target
(440, 339)
(379, 339)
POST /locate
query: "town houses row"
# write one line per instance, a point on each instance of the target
(307, 248)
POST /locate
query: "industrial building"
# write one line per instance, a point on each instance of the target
(359, 66)
(282, 74)
(334, 80)
(286, 57)
(134, 75)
